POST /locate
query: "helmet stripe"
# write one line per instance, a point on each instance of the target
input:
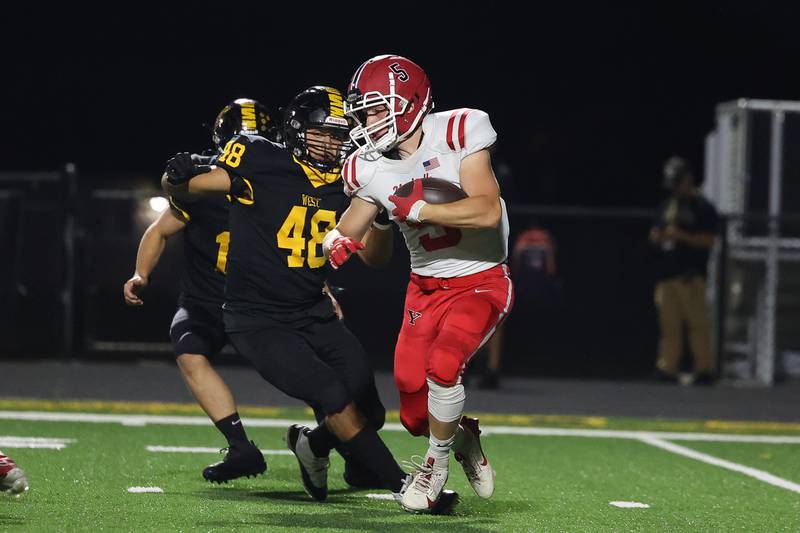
(248, 111)
(357, 75)
(335, 102)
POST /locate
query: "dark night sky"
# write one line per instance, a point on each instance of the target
(588, 102)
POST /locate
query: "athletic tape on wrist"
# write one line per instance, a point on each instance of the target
(327, 242)
(413, 213)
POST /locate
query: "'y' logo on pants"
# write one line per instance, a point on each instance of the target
(413, 316)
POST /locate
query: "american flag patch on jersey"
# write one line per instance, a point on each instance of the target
(430, 164)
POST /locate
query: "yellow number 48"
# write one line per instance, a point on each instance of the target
(232, 154)
(291, 235)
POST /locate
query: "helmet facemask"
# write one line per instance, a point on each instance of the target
(323, 147)
(365, 136)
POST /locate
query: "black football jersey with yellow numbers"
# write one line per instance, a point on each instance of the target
(280, 212)
(205, 246)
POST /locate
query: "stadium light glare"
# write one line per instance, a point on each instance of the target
(158, 203)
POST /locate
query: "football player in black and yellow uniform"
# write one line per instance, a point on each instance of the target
(197, 331)
(276, 315)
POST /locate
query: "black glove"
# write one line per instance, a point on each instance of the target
(181, 168)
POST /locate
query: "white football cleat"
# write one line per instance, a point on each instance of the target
(12, 477)
(313, 469)
(467, 450)
(422, 491)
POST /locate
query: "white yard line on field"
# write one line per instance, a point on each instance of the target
(659, 439)
(203, 449)
(143, 420)
(760, 475)
(381, 496)
(629, 505)
(625, 434)
(9, 441)
(142, 490)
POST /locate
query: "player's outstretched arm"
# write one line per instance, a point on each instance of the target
(345, 239)
(216, 181)
(482, 208)
(150, 248)
(185, 174)
(378, 243)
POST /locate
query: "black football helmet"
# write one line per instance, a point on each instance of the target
(245, 116)
(320, 111)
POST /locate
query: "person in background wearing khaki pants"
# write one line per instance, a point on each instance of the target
(683, 236)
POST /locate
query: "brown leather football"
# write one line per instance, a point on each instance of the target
(435, 191)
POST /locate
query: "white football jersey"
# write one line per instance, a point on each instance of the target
(436, 251)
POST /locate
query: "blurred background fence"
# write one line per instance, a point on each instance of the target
(584, 275)
(584, 282)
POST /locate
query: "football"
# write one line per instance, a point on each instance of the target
(436, 191)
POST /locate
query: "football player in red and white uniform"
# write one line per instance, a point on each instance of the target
(460, 289)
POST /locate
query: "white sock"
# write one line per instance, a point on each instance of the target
(440, 450)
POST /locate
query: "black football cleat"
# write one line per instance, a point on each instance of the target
(313, 469)
(242, 459)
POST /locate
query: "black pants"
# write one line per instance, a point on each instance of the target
(319, 362)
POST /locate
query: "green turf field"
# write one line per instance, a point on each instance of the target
(544, 483)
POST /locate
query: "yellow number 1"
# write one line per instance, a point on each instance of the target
(223, 239)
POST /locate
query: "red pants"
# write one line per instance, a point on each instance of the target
(446, 321)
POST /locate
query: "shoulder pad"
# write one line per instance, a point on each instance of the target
(357, 173)
(463, 130)
(246, 154)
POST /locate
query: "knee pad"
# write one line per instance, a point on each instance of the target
(373, 410)
(414, 411)
(332, 399)
(466, 327)
(446, 404)
(448, 355)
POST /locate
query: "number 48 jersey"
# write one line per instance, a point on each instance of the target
(280, 212)
(437, 251)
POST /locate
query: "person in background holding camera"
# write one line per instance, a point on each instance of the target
(683, 235)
